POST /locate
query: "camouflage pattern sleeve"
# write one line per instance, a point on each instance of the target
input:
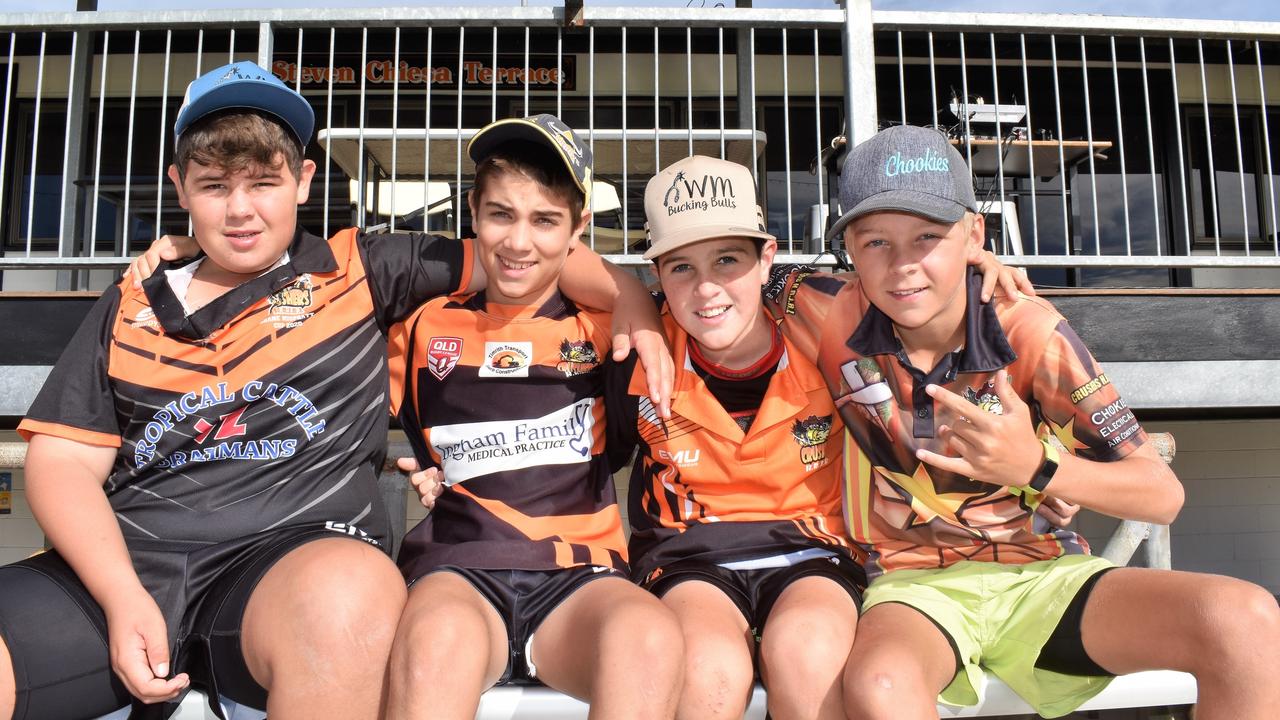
(798, 297)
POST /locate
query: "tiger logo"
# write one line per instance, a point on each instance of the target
(577, 357)
(811, 435)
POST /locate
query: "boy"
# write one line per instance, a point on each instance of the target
(949, 404)
(519, 572)
(234, 410)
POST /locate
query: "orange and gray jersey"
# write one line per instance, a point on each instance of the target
(508, 402)
(904, 513)
(702, 488)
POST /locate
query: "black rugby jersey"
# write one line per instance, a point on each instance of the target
(265, 408)
(507, 400)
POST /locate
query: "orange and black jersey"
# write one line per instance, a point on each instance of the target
(261, 410)
(703, 488)
(507, 401)
(905, 513)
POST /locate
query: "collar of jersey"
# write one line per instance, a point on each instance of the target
(307, 254)
(986, 348)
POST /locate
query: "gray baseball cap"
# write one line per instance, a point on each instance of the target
(905, 168)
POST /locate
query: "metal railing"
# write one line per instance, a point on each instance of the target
(1140, 146)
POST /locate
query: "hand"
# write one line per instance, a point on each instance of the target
(655, 358)
(1011, 280)
(1057, 511)
(168, 247)
(429, 483)
(998, 449)
(139, 647)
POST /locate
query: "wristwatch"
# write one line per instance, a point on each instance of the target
(1048, 466)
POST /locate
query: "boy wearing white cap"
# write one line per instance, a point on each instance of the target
(952, 407)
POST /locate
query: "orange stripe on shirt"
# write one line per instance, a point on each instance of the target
(29, 428)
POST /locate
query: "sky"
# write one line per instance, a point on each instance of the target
(1267, 10)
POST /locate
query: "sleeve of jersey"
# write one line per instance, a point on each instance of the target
(76, 401)
(620, 411)
(407, 269)
(799, 298)
(1079, 404)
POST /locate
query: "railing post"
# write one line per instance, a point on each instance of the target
(861, 118)
(266, 45)
(72, 212)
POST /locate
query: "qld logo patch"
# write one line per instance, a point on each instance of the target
(506, 359)
(443, 354)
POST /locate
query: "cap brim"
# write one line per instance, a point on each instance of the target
(491, 136)
(914, 202)
(290, 107)
(687, 236)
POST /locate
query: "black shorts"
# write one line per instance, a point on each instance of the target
(523, 599)
(57, 634)
(1064, 651)
(754, 592)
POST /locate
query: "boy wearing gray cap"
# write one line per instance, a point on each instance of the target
(955, 409)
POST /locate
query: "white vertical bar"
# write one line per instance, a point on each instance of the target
(328, 121)
(688, 66)
(35, 146)
(361, 179)
(902, 78)
(657, 117)
(199, 51)
(817, 130)
(66, 152)
(625, 142)
(1235, 113)
(395, 125)
(1062, 162)
(964, 88)
(457, 144)
(128, 158)
(1088, 126)
(525, 74)
(97, 152)
(297, 82)
(1124, 173)
(560, 71)
(1000, 140)
(786, 134)
(231, 47)
(755, 149)
(1182, 163)
(426, 125)
(591, 112)
(1151, 145)
(933, 82)
(1208, 146)
(1274, 225)
(1031, 156)
(164, 122)
(720, 77)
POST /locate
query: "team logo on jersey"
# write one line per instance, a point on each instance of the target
(811, 434)
(506, 359)
(577, 357)
(146, 317)
(293, 298)
(443, 354)
(987, 398)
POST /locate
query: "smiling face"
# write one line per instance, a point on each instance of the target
(523, 235)
(244, 219)
(913, 269)
(713, 290)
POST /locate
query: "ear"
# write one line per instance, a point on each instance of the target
(308, 171)
(177, 184)
(768, 251)
(583, 223)
(473, 200)
(977, 231)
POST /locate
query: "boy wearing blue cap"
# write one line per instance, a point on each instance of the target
(955, 409)
(204, 456)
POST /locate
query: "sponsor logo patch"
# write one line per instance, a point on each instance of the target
(1089, 388)
(443, 354)
(506, 359)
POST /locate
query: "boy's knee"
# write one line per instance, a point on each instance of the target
(646, 633)
(879, 688)
(1245, 619)
(805, 645)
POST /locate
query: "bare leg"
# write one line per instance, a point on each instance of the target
(718, 647)
(8, 686)
(806, 641)
(899, 664)
(615, 646)
(1224, 631)
(318, 628)
(451, 646)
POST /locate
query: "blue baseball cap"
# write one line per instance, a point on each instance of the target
(908, 169)
(246, 85)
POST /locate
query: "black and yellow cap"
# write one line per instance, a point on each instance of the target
(546, 129)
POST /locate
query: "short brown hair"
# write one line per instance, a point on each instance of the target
(540, 164)
(235, 140)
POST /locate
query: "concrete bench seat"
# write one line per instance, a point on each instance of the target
(1158, 688)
